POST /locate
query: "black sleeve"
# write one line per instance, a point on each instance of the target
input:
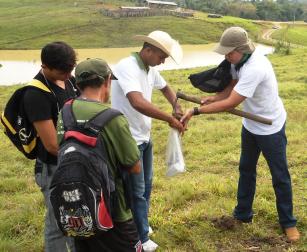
(38, 106)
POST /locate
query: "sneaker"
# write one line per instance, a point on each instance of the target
(150, 246)
(150, 232)
(292, 234)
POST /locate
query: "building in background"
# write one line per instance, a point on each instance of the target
(161, 4)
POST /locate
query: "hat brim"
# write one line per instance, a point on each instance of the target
(176, 53)
(79, 79)
(223, 49)
(227, 49)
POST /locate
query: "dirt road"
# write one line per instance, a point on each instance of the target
(268, 33)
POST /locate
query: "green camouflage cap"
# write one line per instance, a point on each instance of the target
(91, 69)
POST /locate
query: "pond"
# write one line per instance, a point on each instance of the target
(20, 66)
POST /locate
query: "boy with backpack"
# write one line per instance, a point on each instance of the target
(41, 107)
(93, 77)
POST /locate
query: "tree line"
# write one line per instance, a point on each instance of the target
(277, 10)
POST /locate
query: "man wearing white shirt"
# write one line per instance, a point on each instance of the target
(255, 86)
(131, 94)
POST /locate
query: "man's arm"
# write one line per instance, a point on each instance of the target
(139, 103)
(47, 133)
(221, 95)
(170, 95)
(233, 100)
(136, 168)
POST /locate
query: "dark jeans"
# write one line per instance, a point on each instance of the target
(122, 238)
(273, 148)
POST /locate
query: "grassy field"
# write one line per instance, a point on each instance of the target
(188, 212)
(295, 34)
(33, 23)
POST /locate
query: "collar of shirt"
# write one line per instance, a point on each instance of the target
(243, 61)
(140, 62)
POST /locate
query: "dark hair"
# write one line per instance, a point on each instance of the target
(59, 55)
(93, 83)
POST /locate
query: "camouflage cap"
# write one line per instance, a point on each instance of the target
(91, 69)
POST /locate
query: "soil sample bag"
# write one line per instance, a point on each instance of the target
(174, 158)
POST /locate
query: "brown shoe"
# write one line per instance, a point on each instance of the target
(292, 234)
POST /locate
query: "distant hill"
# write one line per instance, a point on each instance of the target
(80, 23)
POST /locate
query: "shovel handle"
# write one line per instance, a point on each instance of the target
(236, 112)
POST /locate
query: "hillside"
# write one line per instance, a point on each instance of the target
(296, 34)
(80, 23)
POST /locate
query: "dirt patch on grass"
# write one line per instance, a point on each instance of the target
(225, 223)
(253, 243)
(272, 244)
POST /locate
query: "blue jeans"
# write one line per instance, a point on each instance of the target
(141, 185)
(54, 238)
(273, 148)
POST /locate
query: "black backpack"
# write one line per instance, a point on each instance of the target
(82, 189)
(213, 80)
(16, 125)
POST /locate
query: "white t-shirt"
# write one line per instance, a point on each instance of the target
(132, 76)
(257, 82)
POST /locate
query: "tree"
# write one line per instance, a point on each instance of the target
(244, 10)
(282, 10)
(268, 10)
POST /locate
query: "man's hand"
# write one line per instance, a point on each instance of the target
(176, 124)
(177, 111)
(186, 117)
(207, 100)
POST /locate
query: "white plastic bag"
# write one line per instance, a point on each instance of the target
(174, 158)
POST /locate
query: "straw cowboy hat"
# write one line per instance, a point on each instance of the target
(163, 41)
(234, 38)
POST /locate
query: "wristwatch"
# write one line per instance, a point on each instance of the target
(196, 111)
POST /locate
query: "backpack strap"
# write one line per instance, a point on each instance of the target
(78, 131)
(97, 123)
(38, 84)
(68, 117)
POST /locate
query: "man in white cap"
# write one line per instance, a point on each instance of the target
(131, 94)
(254, 84)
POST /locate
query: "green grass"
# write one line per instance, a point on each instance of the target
(33, 23)
(185, 209)
(295, 34)
(252, 28)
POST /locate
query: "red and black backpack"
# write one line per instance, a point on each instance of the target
(82, 189)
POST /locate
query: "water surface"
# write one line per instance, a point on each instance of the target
(20, 66)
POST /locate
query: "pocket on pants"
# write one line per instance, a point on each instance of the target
(41, 175)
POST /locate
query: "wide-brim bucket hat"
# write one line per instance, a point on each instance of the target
(165, 42)
(234, 38)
